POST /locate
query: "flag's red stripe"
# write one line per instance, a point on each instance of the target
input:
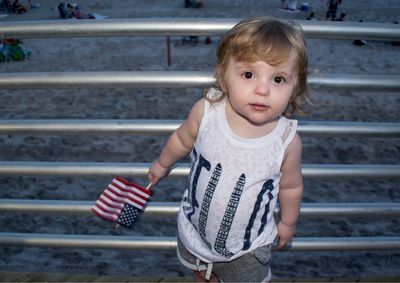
(106, 208)
(115, 204)
(132, 187)
(110, 194)
(124, 194)
(133, 191)
(115, 196)
(126, 183)
(127, 193)
(120, 192)
(104, 215)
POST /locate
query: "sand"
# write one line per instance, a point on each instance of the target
(132, 54)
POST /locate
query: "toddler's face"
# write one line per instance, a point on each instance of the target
(258, 91)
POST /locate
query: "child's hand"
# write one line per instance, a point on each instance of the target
(285, 234)
(156, 172)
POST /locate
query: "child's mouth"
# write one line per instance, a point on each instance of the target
(258, 107)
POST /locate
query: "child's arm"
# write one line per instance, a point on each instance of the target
(290, 192)
(179, 144)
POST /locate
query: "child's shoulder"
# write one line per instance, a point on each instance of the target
(199, 104)
(197, 111)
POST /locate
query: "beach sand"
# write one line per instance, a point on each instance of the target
(148, 54)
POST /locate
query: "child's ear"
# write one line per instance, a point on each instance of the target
(220, 79)
(223, 88)
(222, 85)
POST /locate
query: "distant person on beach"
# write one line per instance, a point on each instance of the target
(332, 9)
(76, 13)
(69, 10)
(193, 3)
(6, 6)
(290, 5)
(341, 18)
(245, 154)
(33, 5)
(311, 17)
(17, 7)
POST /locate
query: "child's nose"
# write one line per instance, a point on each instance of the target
(262, 88)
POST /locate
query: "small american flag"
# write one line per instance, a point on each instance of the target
(121, 202)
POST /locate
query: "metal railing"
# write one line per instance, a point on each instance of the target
(169, 209)
(153, 127)
(162, 243)
(175, 79)
(81, 169)
(166, 27)
(185, 26)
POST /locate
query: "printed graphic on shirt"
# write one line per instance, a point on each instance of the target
(191, 206)
(202, 163)
(267, 188)
(226, 223)
(185, 198)
(205, 206)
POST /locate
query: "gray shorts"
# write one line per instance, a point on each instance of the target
(251, 267)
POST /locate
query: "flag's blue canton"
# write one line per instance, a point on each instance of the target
(128, 215)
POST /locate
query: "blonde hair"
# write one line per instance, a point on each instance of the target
(269, 40)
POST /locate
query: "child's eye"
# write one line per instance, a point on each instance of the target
(279, 80)
(248, 75)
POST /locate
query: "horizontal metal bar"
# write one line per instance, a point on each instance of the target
(169, 243)
(176, 79)
(350, 30)
(355, 82)
(87, 241)
(168, 209)
(350, 171)
(350, 209)
(157, 126)
(109, 79)
(320, 171)
(116, 27)
(186, 26)
(344, 243)
(349, 129)
(87, 126)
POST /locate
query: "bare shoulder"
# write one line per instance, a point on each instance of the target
(291, 167)
(295, 146)
(198, 107)
(293, 154)
(197, 112)
(192, 123)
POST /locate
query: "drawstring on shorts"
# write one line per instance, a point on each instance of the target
(199, 266)
(208, 270)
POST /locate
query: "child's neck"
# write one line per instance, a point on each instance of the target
(244, 128)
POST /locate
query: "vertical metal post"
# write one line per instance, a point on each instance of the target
(168, 51)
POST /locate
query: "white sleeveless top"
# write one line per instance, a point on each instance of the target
(228, 209)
